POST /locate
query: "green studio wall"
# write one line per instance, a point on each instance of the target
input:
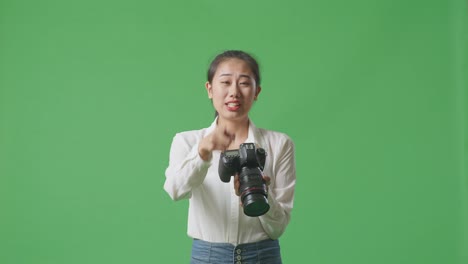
(372, 92)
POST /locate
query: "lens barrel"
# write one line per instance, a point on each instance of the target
(253, 192)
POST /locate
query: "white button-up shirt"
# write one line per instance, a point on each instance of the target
(215, 211)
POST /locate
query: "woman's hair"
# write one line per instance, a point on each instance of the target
(234, 54)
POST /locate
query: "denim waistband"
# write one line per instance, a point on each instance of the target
(261, 243)
(265, 251)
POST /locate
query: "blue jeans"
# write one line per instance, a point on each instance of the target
(266, 251)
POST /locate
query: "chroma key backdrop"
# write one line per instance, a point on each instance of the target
(373, 93)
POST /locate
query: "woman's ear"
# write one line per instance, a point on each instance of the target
(259, 89)
(209, 90)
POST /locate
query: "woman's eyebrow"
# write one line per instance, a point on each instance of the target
(230, 74)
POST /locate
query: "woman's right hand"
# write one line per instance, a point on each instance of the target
(219, 139)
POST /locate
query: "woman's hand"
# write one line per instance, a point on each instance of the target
(219, 139)
(266, 180)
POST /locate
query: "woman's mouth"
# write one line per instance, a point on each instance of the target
(233, 106)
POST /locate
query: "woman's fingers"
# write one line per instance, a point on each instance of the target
(266, 179)
(230, 136)
(236, 184)
(219, 139)
(222, 138)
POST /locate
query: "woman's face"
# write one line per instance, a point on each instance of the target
(233, 89)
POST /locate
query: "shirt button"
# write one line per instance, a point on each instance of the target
(238, 262)
(238, 251)
(239, 257)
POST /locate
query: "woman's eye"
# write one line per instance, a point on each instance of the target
(225, 82)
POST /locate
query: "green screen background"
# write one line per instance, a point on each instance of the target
(372, 92)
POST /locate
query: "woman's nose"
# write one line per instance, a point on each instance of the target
(234, 90)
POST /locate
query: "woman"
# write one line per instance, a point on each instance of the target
(221, 232)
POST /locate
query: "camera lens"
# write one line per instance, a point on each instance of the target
(255, 204)
(253, 192)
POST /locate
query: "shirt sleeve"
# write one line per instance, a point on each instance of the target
(186, 168)
(281, 194)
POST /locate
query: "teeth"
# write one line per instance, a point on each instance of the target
(232, 104)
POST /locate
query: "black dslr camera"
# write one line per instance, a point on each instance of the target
(249, 162)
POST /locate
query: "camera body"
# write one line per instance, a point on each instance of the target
(249, 162)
